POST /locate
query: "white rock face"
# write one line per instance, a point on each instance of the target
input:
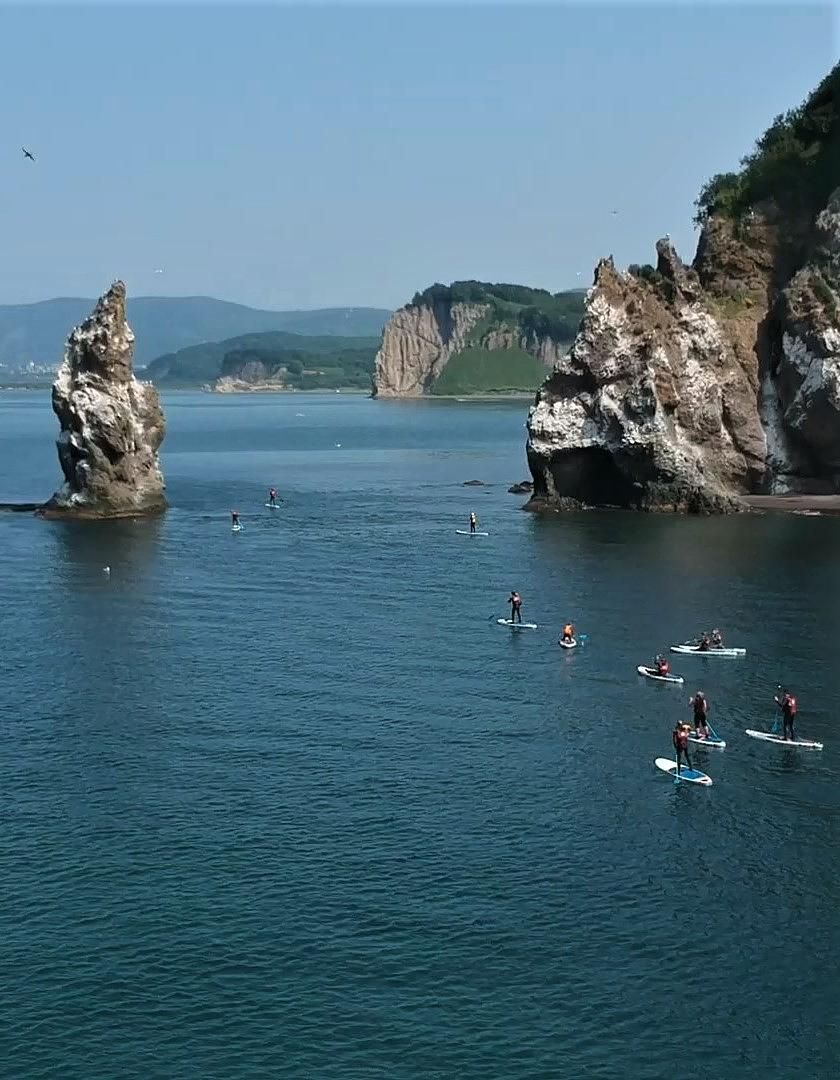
(689, 389)
(420, 339)
(111, 424)
(417, 343)
(638, 413)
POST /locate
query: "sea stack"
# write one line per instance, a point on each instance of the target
(693, 388)
(112, 425)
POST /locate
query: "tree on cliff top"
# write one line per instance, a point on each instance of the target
(796, 162)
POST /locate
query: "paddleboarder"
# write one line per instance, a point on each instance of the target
(515, 601)
(679, 738)
(787, 703)
(568, 633)
(234, 518)
(272, 497)
(473, 521)
(701, 710)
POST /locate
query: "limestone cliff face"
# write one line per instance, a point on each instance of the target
(688, 388)
(112, 425)
(417, 342)
(421, 338)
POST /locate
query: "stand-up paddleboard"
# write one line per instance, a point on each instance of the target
(236, 528)
(517, 625)
(768, 736)
(692, 776)
(650, 673)
(712, 740)
(567, 644)
(273, 506)
(466, 532)
(694, 650)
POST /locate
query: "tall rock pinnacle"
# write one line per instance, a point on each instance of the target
(112, 425)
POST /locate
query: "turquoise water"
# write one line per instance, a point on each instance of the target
(289, 802)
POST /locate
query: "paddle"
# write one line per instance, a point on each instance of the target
(774, 730)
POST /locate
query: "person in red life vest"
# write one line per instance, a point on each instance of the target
(679, 738)
(662, 665)
(787, 703)
(515, 601)
(701, 711)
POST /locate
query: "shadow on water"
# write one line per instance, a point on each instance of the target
(84, 549)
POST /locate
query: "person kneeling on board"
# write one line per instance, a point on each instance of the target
(705, 643)
(679, 738)
(568, 633)
(473, 521)
(717, 639)
(701, 711)
(661, 665)
(515, 601)
(787, 703)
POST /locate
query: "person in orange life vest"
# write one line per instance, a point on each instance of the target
(679, 738)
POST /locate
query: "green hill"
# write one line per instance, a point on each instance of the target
(347, 360)
(35, 333)
(796, 162)
(475, 337)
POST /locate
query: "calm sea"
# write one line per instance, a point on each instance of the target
(289, 803)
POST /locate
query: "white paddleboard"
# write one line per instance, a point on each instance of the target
(719, 744)
(691, 776)
(695, 650)
(649, 673)
(768, 736)
(236, 528)
(466, 532)
(517, 625)
(567, 644)
(273, 506)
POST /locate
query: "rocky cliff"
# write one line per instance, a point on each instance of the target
(111, 424)
(491, 337)
(688, 388)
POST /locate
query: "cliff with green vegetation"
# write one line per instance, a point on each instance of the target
(270, 361)
(691, 387)
(473, 337)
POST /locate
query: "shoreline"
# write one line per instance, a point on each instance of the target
(794, 504)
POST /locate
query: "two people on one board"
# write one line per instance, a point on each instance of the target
(714, 640)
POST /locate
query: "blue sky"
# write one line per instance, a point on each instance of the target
(328, 155)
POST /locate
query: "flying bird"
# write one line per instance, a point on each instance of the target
(27, 154)
(158, 271)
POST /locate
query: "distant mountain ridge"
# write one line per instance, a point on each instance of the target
(270, 351)
(36, 333)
